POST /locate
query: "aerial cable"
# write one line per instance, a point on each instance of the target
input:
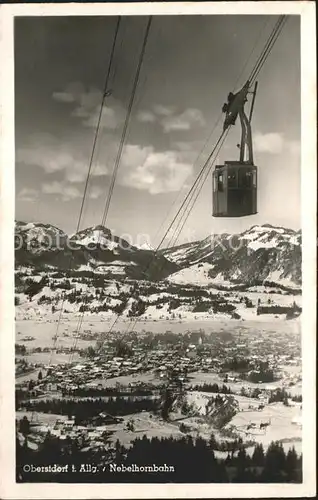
(265, 53)
(201, 172)
(122, 141)
(89, 171)
(220, 144)
(194, 199)
(251, 53)
(176, 216)
(80, 319)
(269, 50)
(271, 41)
(191, 190)
(127, 120)
(193, 165)
(105, 94)
(268, 47)
(194, 196)
(216, 123)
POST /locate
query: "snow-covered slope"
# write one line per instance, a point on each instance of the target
(92, 249)
(37, 237)
(102, 237)
(262, 253)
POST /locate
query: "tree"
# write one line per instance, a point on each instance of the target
(40, 376)
(256, 392)
(242, 460)
(213, 444)
(274, 463)
(90, 351)
(258, 455)
(243, 391)
(122, 349)
(20, 349)
(291, 464)
(24, 426)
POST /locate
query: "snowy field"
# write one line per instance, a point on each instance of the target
(44, 329)
(197, 378)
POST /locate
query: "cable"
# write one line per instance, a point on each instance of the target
(198, 178)
(89, 172)
(261, 61)
(191, 190)
(217, 121)
(191, 194)
(174, 242)
(99, 120)
(174, 219)
(264, 55)
(122, 142)
(251, 53)
(270, 49)
(223, 136)
(128, 114)
(266, 46)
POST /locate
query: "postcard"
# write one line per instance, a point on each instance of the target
(158, 250)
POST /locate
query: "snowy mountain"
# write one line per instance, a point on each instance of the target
(101, 236)
(38, 237)
(260, 254)
(145, 246)
(225, 276)
(92, 249)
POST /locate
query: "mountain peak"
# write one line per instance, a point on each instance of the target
(95, 234)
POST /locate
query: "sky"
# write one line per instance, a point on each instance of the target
(190, 65)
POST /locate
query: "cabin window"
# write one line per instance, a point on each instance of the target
(232, 180)
(254, 179)
(245, 179)
(220, 182)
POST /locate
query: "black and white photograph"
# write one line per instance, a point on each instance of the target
(158, 280)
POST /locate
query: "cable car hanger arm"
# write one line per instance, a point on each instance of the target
(234, 108)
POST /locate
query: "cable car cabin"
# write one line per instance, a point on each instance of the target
(234, 189)
(235, 182)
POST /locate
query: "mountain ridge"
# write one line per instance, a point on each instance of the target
(260, 253)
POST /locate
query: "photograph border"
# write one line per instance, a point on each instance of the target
(9, 489)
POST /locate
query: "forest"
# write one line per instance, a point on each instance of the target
(193, 461)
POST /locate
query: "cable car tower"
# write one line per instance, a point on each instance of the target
(235, 182)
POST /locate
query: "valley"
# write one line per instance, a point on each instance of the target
(205, 350)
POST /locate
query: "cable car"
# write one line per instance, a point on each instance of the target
(235, 182)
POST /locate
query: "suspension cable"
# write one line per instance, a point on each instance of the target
(219, 117)
(194, 199)
(174, 219)
(191, 194)
(220, 144)
(268, 47)
(120, 149)
(277, 34)
(127, 120)
(265, 53)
